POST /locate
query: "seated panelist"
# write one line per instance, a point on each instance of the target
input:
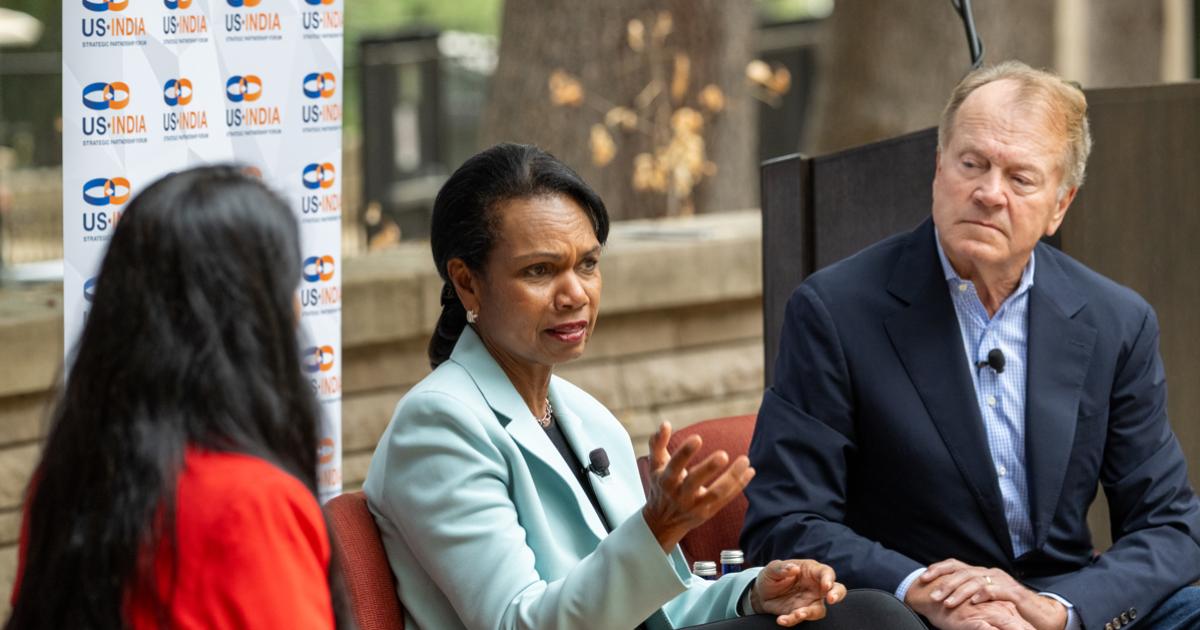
(947, 401)
(492, 510)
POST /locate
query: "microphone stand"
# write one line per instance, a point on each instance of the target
(974, 44)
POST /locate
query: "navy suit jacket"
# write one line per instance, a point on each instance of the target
(872, 456)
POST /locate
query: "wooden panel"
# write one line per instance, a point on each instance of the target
(868, 193)
(855, 197)
(787, 243)
(1137, 221)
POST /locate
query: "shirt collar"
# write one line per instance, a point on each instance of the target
(952, 276)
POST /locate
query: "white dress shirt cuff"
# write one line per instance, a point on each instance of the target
(1073, 622)
(902, 590)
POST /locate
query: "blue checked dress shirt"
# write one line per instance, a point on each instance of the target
(1001, 398)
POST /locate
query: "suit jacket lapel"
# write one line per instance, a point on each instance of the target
(516, 418)
(1059, 351)
(928, 341)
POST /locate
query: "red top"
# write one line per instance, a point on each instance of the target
(252, 550)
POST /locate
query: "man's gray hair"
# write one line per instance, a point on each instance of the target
(1065, 108)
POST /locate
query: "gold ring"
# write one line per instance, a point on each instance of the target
(988, 579)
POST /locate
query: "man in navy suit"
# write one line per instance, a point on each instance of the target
(947, 401)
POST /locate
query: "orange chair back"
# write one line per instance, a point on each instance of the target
(731, 435)
(369, 580)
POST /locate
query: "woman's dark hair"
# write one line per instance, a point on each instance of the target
(464, 222)
(190, 341)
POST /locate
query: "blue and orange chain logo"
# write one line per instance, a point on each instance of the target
(177, 92)
(176, 4)
(89, 289)
(106, 5)
(238, 4)
(319, 84)
(103, 191)
(101, 96)
(317, 269)
(325, 450)
(318, 359)
(317, 3)
(243, 88)
(318, 176)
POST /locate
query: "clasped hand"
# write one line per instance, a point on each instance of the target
(795, 591)
(954, 595)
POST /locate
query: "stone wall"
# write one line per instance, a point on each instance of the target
(679, 338)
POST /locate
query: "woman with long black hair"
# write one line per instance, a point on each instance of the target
(176, 488)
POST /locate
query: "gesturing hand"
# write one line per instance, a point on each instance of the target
(678, 498)
(795, 591)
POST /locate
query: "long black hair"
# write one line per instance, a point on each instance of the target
(464, 221)
(190, 341)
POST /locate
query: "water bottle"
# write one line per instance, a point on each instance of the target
(731, 561)
(706, 569)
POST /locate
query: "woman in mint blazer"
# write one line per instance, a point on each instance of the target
(481, 484)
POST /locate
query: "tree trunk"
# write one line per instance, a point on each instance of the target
(886, 68)
(590, 42)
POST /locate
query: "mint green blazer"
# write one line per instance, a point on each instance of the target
(486, 527)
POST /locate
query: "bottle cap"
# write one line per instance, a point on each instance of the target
(732, 556)
(704, 567)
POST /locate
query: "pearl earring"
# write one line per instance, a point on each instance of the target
(472, 316)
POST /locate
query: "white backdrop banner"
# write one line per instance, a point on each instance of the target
(155, 86)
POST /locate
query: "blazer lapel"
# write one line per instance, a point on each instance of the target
(1059, 351)
(616, 499)
(927, 339)
(619, 495)
(516, 418)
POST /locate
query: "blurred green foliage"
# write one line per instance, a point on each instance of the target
(774, 11)
(49, 13)
(376, 16)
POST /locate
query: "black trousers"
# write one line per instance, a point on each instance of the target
(862, 609)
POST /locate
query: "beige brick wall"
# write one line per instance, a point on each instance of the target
(679, 338)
